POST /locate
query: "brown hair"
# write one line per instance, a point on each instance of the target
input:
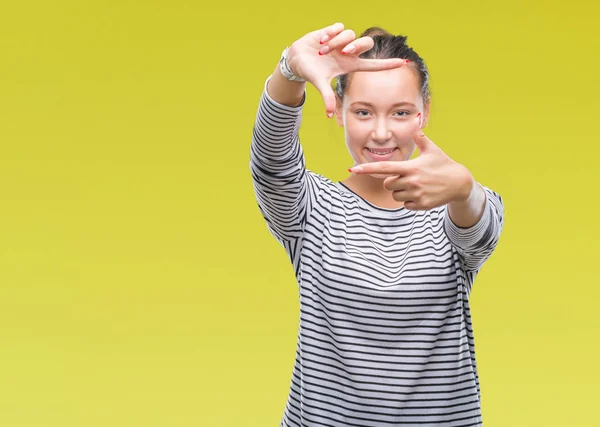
(389, 46)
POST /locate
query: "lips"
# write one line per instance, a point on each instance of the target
(380, 154)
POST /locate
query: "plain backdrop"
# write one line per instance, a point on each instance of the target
(139, 285)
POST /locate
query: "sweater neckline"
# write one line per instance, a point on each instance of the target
(401, 210)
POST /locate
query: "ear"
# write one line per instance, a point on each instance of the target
(339, 118)
(426, 107)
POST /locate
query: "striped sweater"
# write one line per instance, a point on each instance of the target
(385, 335)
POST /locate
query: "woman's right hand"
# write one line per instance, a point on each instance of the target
(321, 55)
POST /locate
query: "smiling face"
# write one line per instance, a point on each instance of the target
(379, 115)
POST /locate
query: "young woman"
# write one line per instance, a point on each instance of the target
(386, 259)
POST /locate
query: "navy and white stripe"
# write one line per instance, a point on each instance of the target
(385, 335)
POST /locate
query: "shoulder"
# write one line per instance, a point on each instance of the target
(327, 191)
(320, 179)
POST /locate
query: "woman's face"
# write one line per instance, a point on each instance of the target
(379, 115)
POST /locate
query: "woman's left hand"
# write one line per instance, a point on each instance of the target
(430, 180)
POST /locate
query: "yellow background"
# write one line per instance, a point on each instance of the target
(139, 285)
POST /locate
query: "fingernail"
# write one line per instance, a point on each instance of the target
(407, 61)
(324, 50)
(329, 115)
(350, 170)
(324, 39)
(355, 169)
(348, 49)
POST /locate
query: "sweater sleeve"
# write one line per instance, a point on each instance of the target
(475, 244)
(284, 189)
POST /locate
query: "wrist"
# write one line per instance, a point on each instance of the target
(284, 91)
(287, 68)
(467, 187)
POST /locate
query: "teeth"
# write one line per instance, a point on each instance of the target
(381, 153)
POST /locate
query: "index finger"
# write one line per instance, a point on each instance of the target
(381, 64)
(384, 168)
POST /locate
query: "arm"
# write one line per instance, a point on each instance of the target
(284, 91)
(466, 211)
(473, 225)
(276, 159)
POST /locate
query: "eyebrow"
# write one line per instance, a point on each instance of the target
(397, 104)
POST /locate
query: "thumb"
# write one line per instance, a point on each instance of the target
(324, 87)
(421, 141)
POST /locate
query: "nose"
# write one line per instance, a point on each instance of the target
(380, 132)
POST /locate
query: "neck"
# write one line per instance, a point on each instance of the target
(372, 190)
